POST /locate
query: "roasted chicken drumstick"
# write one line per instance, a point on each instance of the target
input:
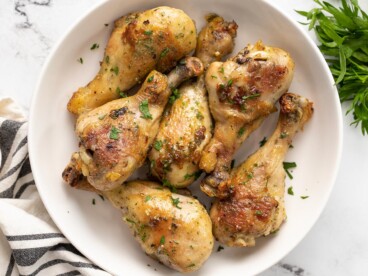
(253, 196)
(139, 43)
(186, 128)
(242, 91)
(170, 227)
(115, 138)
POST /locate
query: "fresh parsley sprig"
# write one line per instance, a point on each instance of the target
(343, 34)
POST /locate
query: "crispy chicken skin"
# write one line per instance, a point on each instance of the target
(242, 92)
(172, 228)
(115, 138)
(139, 43)
(252, 203)
(186, 127)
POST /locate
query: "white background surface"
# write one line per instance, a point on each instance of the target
(337, 244)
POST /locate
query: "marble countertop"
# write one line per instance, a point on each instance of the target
(336, 245)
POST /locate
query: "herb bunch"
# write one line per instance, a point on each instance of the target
(343, 33)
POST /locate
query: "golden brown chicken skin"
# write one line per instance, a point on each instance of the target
(139, 43)
(173, 228)
(242, 92)
(115, 137)
(253, 196)
(186, 127)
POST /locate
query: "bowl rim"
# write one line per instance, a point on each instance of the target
(270, 4)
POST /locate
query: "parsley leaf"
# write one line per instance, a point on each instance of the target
(157, 145)
(175, 202)
(114, 133)
(290, 190)
(143, 107)
(95, 46)
(288, 166)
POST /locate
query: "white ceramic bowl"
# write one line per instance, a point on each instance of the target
(97, 230)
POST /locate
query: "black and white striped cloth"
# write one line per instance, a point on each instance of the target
(30, 243)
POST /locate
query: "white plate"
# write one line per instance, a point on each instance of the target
(96, 230)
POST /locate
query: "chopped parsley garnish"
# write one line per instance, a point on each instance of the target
(175, 202)
(241, 132)
(129, 220)
(219, 248)
(263, 142)
(304, 197)
(95, 46)
(150, 79)
(115, 70)
(258, 213)
(157, 145)
(230, 82)
(288, 166)
(213, 76)
(191, 265)
(103, 199)
(232, 163)
(164, 52)
(147, 198)
(148, 32)
(199, 116)
(283, 135)
(107, 59)
(93, 201)
(166, 183)
(249, 175)
(80, 60)
(290, 190)
(222, 70)
(101, 117)
(143, 107)
(175, 95)
(114, 133)
(162, 240)
(250, 96)
(121, 93)
(195, 175)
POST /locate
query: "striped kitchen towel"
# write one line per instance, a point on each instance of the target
(30, 243)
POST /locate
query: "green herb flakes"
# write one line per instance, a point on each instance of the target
(114, 133)
(162, 240)
(164, 52)
(80, 60)
(143, 108)
(175, 202)
(263, 142)
(288, 166)
(241, 132)
(120, 93)
(290, 190)
(175, 95)
(95, 46)
(157, 145)
(115, 70)
(150, 79)
(147, 198)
